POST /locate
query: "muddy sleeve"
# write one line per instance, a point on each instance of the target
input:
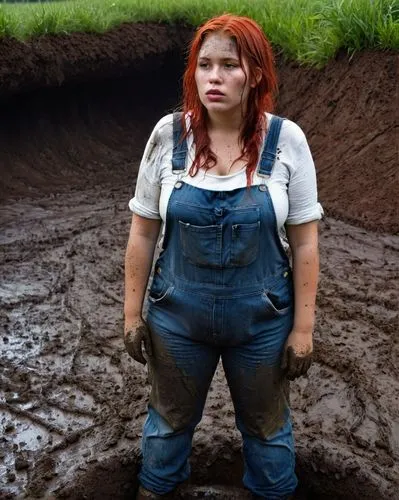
(148, 187)
(302, 187)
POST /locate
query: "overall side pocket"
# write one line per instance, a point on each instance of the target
(159, 290)
(279, 298)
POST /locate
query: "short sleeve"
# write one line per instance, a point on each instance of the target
(148, 187)
(302, 186)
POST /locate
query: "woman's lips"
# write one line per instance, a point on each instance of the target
(214, 92)
(214, 95)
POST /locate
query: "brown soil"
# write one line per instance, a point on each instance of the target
(349, 112)
(75, 115)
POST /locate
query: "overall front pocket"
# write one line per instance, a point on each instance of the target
(244, 244)
(201, 245)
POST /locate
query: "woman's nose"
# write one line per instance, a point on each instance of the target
(214, 75)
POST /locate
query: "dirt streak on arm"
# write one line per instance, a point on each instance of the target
(303, 239)
(138, 260)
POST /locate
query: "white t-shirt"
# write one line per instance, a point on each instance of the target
(292, 183)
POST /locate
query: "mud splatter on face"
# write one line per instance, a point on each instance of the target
(225, 47)
(219, 68)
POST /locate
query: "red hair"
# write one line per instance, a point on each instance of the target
(253, 46)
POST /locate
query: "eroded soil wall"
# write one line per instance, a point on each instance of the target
(72, 403)
(349, 112)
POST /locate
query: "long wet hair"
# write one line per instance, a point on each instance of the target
(253, 46)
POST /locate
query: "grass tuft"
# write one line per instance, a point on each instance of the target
(310, 31)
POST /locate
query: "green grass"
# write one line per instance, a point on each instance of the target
(310, 31)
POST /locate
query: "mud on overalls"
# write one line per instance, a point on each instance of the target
(222, 288)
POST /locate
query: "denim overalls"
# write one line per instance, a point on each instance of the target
(222, 288)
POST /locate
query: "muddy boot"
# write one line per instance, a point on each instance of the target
(144, 494)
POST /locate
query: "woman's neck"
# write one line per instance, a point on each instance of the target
(230, 124)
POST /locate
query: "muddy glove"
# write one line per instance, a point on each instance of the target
(135, 337)
(297, 356)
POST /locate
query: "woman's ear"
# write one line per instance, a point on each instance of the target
(257, 77)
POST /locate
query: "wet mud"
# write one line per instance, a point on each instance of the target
(72, 401)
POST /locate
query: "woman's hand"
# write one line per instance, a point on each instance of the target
(303, 240)
(297, 356)
(138, 259)
(136, 336)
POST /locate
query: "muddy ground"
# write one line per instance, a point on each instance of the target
(72, 403)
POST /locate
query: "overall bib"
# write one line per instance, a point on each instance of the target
(222, 288)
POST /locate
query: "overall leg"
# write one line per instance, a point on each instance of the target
(259, 393)
(180, 373)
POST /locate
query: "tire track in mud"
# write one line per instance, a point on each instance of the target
(51, 333)
(73, 403)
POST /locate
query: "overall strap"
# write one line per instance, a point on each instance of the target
(268, 156)
(179, 146)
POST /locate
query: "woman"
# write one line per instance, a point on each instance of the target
(224, 179)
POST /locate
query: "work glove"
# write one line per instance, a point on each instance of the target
(297, 356)
(137, 336)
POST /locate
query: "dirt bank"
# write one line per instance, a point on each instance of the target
(349, 113)
(56, 60)
(347, 110)
(72, 402)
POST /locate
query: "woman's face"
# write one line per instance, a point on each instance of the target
(222, 82)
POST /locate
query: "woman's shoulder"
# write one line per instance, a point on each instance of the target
(164, 127)
(291, 132)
